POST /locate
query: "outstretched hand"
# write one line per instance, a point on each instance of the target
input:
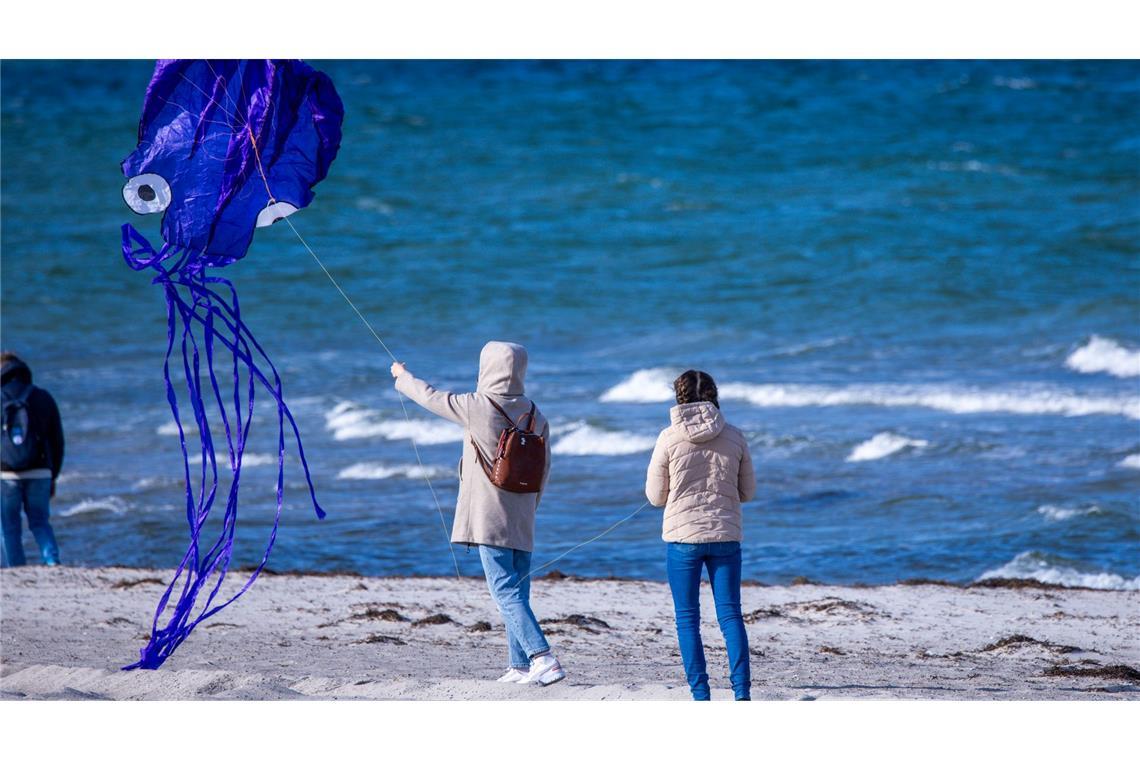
(398, 369)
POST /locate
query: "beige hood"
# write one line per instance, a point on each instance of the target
(698, 422)
(502, 369)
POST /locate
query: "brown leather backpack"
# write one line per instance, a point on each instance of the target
(520, 459)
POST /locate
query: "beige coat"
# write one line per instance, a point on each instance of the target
(700, 472)
(484, 513)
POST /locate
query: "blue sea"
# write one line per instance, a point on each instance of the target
(916, 283)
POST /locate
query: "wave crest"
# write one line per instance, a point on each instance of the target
(380, 471)
(946, 399)
(646, 386)
(582, 439)
(883, 445)
(1059, 514)
(112, 504)
(1038, 567)
(348, 421)
(1105, 355)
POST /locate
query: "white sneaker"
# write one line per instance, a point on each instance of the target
(544, 670)
(513, 675)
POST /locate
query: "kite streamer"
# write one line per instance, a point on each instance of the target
(224, 147)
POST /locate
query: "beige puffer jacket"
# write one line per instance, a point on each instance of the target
(700, 472)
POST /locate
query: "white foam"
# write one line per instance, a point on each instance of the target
(943, 398)
(112, 504)
(581, 439)
(1059, 514)
(1132, 461)
(171, 428)
(247, 459)
(883, 445)
(1032, 565)
(1105, 355)
(349, 421)
(379, 471)
(646, 386)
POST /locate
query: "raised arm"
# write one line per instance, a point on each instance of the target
(657, 478)
(450, 406)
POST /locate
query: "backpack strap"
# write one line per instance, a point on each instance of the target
(530, 414)
(499, 409)
(23, 396)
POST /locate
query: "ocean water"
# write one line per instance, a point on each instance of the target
(917, 284)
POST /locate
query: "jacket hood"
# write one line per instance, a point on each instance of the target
(699, 422)
(15, 369)
(502, 369)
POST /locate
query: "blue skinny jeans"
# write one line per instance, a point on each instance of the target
(684, 565)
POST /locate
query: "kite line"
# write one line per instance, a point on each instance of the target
(400, 396)
(376, 335)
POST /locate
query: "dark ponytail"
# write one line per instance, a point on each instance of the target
(693, 386)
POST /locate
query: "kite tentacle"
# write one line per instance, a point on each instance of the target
(204, 311)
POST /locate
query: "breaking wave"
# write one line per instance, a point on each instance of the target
(581, 439)
(112, 504)
(947, 399)
(378, 471)
(1038, 567)
(1058, 514)
(1132, 462)
(247, 459)
(348, 421)
(648, 386)
(883, 445)
(1105, 355)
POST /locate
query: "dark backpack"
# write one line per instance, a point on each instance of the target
(21, 442)
(520, 459)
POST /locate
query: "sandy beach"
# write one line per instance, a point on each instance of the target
(65, 632)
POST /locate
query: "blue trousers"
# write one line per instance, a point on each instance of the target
(506, 570)
(31, 496)
(684, 564)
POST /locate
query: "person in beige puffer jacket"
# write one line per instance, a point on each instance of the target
(700, 472)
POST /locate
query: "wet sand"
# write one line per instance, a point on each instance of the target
(65, 632)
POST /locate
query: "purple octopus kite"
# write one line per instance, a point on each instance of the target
(224, 147)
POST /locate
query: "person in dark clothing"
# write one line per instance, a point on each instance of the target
(32, 441)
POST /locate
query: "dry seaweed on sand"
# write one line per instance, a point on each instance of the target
(386, 614)
(585, 622)
(1122, 672)
(1019, 640)
(437, 619)
(127, 583)
(379, 638)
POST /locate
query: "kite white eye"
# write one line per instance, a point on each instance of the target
(147, 194)
(273, 212)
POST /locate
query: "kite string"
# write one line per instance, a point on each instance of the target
(400, 396)
(376, 335)
(576, 547)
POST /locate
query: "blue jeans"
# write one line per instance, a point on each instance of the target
(683, 565)
(505, 569)
(31, 496)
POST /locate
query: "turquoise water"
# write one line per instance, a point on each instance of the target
(918, 285)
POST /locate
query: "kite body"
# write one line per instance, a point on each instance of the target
(224, 147)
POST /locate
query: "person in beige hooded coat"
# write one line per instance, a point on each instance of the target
(499, 522)
(700, 472)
